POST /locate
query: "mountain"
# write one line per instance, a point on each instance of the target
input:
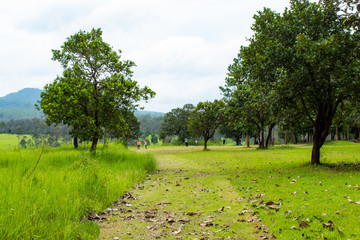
(21, 105)
(26, 97)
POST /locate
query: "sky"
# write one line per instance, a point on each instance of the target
(182, 48)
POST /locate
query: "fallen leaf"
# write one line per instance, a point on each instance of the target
(176, 232)
(329, 225)
(303, 224)
(206, 223)
(270, 203)
(191, 213)
(287, 212)
(184, 220)
(170, 220)
(274, 206)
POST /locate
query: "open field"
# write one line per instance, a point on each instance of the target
(238, 193)
(8, 141)
(54, 200)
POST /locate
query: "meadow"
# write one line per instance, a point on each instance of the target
(48, 193)
(280, 189)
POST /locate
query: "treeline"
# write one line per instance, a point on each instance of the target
(35, 126)
(143, 126)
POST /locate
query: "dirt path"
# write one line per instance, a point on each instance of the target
(181, 201)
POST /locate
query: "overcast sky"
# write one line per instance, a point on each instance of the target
(182, 48)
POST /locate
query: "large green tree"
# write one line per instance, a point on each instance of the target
(205, 119)
(309, 58)
(95, 91)
(175, 123)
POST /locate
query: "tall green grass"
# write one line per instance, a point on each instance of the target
(54, 200)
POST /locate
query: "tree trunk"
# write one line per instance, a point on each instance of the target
(95, 141)
(76, 143)
(205, 142)
(315, 154)
(269, 135)
(337, 133)
(261, 140)
(321, 130)
(247, 139)
(286, 138)
(237, 139)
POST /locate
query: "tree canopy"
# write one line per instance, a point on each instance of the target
(306, 58)
(175, 123)
(205, 119)
(95, 92)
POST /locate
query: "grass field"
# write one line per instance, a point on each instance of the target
(53, 201)
(8, 141)
(273, 192)
(292, 198)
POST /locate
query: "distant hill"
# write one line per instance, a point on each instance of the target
(26, 97)
(153, 114)
(21, 105)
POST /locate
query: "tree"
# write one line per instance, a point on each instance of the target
(95, 92)
(2, 126)
(175, 123)
(310, 59)
(205, 119)
(154, 139)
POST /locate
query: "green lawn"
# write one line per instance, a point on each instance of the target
(291, 197)
(8, 141)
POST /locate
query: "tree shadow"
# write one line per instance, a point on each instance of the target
(337, 167)
(343, 166)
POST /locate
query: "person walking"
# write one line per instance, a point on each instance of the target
(138, 144)
(186, 142)
(196, 142)
(146, 144)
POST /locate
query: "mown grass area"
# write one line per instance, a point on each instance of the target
(8, 141)
(67, 184)
(292, 198)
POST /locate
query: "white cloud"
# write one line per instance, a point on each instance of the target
(181, 47)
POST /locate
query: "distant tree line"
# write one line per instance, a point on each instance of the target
(35, 126)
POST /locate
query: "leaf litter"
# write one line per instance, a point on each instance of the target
(139, 218)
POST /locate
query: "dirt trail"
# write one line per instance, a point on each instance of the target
(180, 201)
